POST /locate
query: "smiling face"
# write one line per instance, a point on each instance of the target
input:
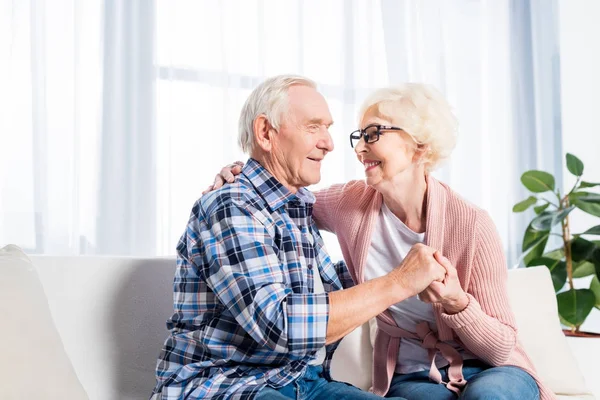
(394, 155)
(303, 138)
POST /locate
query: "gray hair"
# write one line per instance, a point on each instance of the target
(425, 115)
(270, 98)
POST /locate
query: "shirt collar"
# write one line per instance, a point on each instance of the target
(269, 188)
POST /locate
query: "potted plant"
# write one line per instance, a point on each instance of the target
(578, 255)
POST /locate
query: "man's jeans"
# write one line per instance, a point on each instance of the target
(312, 385)
(484, 382)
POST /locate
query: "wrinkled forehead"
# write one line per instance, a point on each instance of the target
(306, 103)
(373, 116)
(387, 113)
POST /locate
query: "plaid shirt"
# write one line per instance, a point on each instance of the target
(245, 312)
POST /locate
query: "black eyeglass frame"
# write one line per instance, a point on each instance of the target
(362, 133)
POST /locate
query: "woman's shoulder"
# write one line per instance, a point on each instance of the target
(457, 204)
(461, 212)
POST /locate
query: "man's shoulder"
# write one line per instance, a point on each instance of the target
(237, 195)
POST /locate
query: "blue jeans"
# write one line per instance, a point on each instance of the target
(484, 383)
(312, 386)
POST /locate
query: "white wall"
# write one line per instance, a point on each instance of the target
(580, 85)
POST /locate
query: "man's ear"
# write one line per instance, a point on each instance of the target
(263, 133)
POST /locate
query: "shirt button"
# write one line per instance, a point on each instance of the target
(310, 266)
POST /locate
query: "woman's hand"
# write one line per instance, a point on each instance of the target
(227, 174)
(449, 292)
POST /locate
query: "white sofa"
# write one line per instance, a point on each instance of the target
(110, 315)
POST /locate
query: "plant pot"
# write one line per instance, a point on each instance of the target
(581, 334)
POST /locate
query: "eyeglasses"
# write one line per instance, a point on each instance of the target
(371, 133)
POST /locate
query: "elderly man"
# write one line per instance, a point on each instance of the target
(259, 306)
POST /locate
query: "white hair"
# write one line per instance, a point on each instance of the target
(270, 98)
(422, 112)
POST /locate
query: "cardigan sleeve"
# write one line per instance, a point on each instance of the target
(326, 207)
(487, 325)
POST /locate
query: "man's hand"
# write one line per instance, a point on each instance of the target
(449, 292)
(418, 270)
(227, 174)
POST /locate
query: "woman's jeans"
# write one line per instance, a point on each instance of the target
(484, 382)
(312, 386)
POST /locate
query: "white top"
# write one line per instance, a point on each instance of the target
(390, 243)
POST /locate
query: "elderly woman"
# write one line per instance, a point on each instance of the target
(460, 332)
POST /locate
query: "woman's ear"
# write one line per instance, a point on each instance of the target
(262, 133)
(421, 154)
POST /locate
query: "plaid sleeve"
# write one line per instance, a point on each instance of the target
(239, 261)
(342, 272)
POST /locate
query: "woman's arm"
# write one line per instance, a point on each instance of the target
(325, 210)
(487, 325)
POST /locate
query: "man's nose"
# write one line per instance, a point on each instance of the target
(326, 141)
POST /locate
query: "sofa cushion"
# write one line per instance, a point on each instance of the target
(110, 313)
(34, 364)
(353, 360)
(533, 301)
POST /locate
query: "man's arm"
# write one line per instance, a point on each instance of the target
(237, 257)
(350, 308)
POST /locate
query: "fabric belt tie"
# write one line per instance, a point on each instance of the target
(429, 340)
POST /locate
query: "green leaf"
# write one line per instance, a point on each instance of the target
(558, 270)
(582, 269)
(534, 243)
(547, 220)
(587, 196)
(540, 209)
(538, 181)
(536, 250)
(595, 287)
(574, 165)
(556, 254)
(585, 201)
(585, 184)
(592, 231)
(525, 204)
(575, 305)
(590, 208)
(564, 322)
(532, 238)
(595, 258)
(581, 249)
(542, 222)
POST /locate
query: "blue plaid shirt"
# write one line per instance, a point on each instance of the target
(245, 315)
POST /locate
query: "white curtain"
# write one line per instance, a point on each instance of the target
(116, 114)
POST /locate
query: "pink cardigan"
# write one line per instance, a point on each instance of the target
(464, 234)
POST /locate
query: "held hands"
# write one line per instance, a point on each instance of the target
(418, 270)
(227, 174)
(447, 292)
